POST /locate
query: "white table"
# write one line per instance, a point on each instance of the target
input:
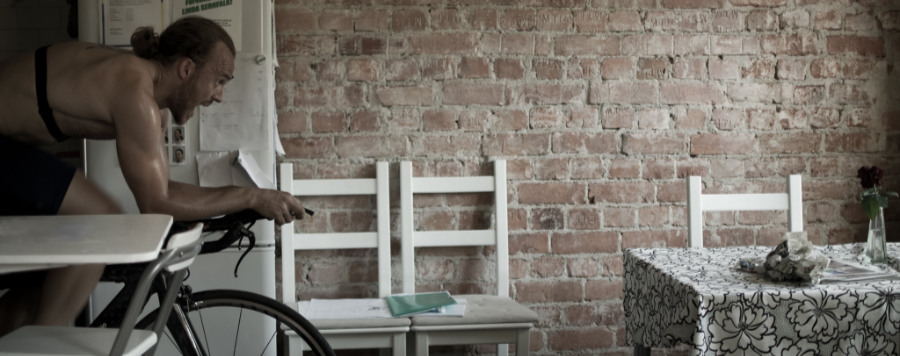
(40, 242)
(700, 298)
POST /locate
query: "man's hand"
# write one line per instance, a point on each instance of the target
(277, 205)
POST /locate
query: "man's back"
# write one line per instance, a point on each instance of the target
(83, 82)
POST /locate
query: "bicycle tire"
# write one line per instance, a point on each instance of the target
(231, 304)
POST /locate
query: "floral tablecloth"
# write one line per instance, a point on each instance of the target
(699, 297)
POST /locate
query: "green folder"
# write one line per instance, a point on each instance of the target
(406, 304)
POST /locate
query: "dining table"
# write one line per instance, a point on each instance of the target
(43, 242)
(700, 298)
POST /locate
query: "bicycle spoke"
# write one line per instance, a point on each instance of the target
(270, 341)
(237, 331)
(205, 334)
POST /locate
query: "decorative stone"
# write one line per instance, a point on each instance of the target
(795, 259)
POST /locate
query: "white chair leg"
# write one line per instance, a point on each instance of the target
(421, 345)
(503, 350)
(399, 344)
(523, 342)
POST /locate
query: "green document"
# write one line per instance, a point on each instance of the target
(406, 304)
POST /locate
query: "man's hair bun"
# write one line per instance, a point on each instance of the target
(145, 42)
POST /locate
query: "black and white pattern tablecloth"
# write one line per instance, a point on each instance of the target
(699, 297)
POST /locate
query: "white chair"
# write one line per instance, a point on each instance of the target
(64, 340)
(489, 319)
(387, 333)
(698, 203)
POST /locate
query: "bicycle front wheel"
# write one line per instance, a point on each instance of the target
(231, 322)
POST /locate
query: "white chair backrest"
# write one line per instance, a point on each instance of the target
(379, 239)
(496, 236)
(182, 239)
(698, 203)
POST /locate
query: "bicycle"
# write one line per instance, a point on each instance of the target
(187, 329)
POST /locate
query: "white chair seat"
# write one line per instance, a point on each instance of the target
(480, 310)
(64, 340)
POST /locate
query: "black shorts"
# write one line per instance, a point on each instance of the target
(33, 182)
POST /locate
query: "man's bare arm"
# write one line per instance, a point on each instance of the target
(142, 158)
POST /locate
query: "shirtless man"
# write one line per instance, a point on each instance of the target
(82, 90)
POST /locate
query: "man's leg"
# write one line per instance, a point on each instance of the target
(66, 290)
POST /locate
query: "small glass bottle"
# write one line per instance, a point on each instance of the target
(876, 246)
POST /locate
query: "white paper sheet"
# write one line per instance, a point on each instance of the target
(248, 164)
(214, 168)
(227, 13)
(121, 17)
(239, 121)
(346, 309)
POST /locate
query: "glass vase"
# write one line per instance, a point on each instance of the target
(876, 246)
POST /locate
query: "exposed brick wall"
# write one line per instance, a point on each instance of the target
(601, 108)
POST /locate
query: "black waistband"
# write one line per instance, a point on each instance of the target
(40, 86)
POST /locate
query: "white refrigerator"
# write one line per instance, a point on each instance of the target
(251, 26)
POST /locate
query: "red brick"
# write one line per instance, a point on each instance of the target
(616, 217)
(653, 68)
(405, 96)
(517, 144)
(724, 69)
(547, 94)
(625, 21)
(445, 19)
(727, 45)
(551, 219)
(680, 21)
(630, 192)
(474, 67)
(336, 20)
(438, 69)
(547, 291)
(791, 45)
(852, 142)
(517, 20)
(692, 93)
(304, 45)
(473, 93)
(364, 121)
(759, 3)
(436, 146)
(653, 119)
(728, 21)
(587, 242)
(364, 70)
(408, 20)
(618, 117)
(584, 268)
(544, 118)
(722, 144)
(401, 70)
(583, 68)
(728, 119)
(755, 92)
(483, 19)
(584, 117)
(291, 122)
(308, 147)
(590, 143)
(828, 19)
(508, 68)
(623, 93)
(292, 19)
(587, 168)
(547, 68)
(329, 96)
(529, 243)
(372, 20)
(581, 339)
(328, 122)
(762, 20)
(368, 146)
(603, 290)
(583, 219)
(648, 45)
(617, 68)
(444, 43)
(776, 144)
(551, 193)
(590, 21)
(518, 43)
(475, 120)
(548, 266)
(693, 4)
(849, 94)
(624, 168)
(689, 119)
(552, 20)
(858, 45)
(439, 120)
(809, 94)
(359, 45)
(689, 68)
(576, 45)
